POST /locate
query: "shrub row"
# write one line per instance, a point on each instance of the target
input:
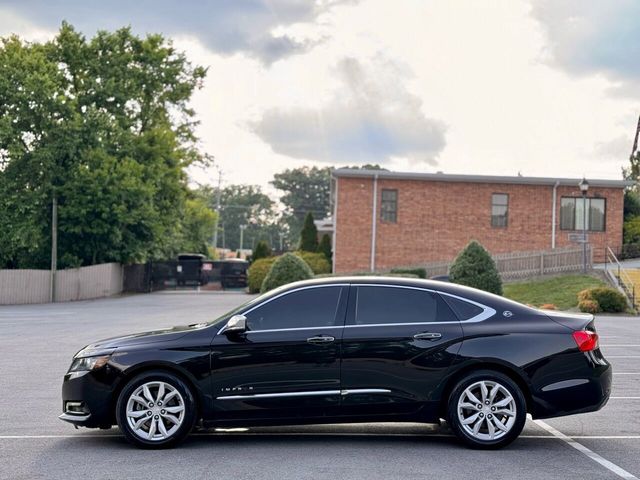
(601, 299)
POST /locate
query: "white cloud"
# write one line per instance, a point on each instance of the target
(370, 118)
(517, 89)
(592, 36)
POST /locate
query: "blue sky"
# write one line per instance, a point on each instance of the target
(544, 87)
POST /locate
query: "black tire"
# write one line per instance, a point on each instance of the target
(189, 403)
(458, 428)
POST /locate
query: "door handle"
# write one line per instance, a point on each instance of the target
(427, 336)
(321, 339)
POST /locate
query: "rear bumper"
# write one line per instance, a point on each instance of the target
(581, 394)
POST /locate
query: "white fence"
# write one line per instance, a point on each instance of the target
(34, 286)
(528, 264)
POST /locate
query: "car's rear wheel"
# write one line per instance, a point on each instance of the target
(487, 409)
(156, 410)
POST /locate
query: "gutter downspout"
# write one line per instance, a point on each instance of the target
(373, 223)
(334, 180)
(553, 215)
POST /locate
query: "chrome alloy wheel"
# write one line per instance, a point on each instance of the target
(155, 411)
(486, 410)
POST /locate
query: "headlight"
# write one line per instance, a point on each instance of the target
(88, 363)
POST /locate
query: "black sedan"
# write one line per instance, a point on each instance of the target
(352, 349)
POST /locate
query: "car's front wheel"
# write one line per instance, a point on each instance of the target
(156, 410)
(487, 409)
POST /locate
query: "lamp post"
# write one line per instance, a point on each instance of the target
(584, 188)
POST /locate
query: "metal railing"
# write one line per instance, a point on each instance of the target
(617, 273)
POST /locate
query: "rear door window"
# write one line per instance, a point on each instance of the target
(377, 305)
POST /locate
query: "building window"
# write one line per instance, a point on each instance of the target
(572, 214)
(499, 209)
(389, 208)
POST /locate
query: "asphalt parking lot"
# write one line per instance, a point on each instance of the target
(38, 341)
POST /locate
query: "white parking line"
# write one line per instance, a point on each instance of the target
(623, 356)
(612, 467)
(625, 373)
(624, 398)
(622, 345)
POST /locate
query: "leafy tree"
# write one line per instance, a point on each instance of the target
(243, 205)
(306, 189)
(631, 204)
(197, 227)
(475, 268)
(261, 250)
(309, 235)
(325, 247)
(102, 125)
(286, 269)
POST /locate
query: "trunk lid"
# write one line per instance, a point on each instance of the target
(574, 321)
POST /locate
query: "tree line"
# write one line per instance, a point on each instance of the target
(102, 128)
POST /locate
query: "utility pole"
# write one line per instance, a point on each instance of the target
(218, 195)
(54, 248)
(281, 237)
(242, 227)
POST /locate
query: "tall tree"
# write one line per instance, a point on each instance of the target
(309, 235)
(104, 126)
(306, 189)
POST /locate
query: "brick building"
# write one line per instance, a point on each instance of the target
(429, 217)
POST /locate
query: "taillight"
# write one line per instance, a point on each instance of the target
(586, 340)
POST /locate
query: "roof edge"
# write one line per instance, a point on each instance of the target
(448, 177)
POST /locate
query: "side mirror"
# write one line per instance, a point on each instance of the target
(236, 324)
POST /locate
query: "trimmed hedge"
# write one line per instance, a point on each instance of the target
(316, 261)
(286, 269)
(258, 272)
(475, 268)
(418, 272)
(609, 300)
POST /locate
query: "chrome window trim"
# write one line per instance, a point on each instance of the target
(299, 289)
(294, 329)
(304, 394)
(487, 312)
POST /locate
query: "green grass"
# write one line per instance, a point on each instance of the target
(561, 291)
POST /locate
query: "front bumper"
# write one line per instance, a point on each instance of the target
(88, 398)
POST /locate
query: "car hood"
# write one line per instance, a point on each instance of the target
(142, 338)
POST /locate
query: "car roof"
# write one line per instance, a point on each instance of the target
(463, 291)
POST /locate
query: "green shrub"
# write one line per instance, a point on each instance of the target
(258, 272)
(608, 299)
(309, 235)
(418, 272)
(325, 247)
(588, 306)
(316, 261)
(261, 250)
(286, 269)
(475, 268)
(631, 230)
